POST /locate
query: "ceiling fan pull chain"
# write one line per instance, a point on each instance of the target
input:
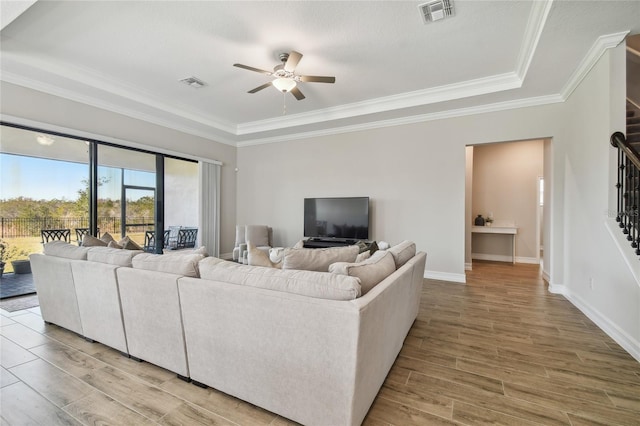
(284, 103)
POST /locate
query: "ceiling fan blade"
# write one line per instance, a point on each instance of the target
(317, 79)
(259, 88)
(297, 93)
(292, 62)
(247, 67)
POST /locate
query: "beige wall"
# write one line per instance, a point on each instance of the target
(505, 184)
(48, 112)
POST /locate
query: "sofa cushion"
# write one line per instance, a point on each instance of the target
(128, 244)
(320, 285)
(200, 250)
(112, 256)
(370, 272)
(308, 259)
(403, 252)
(179, 264)
(65, 250)
(91, 241)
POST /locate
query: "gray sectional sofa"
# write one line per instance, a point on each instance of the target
(307, 345)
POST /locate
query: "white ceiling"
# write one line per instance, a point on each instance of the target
(389, 66)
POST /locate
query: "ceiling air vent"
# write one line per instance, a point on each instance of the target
(436, 10)
(193, 82)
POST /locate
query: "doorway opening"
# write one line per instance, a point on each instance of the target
(505, 186)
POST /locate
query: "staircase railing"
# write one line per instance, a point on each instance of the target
(628, 187)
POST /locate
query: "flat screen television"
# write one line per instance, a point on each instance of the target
(340, 218)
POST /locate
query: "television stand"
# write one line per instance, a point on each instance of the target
(327, 242)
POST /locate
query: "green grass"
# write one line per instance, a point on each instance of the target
(20, 248)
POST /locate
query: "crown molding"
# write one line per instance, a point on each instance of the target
(51, 89)
(461, 112)
(591, 58)
(481, 86)
(537, 20)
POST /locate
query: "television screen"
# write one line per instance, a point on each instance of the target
(346, 218)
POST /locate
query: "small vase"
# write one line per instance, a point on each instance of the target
(479, 221)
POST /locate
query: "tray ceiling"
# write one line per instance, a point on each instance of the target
(390, 67)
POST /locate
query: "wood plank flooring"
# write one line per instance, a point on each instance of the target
(498, 350)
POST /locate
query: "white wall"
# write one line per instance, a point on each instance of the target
(180, 193)
(505, 185)
(415, 176)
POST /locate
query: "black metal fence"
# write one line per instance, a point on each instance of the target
(14, 228)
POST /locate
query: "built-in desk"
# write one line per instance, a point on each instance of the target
(499, 230)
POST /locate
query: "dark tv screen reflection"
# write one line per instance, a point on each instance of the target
(344, 218)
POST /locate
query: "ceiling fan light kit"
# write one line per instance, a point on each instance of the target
(284, 84)
(285, 78)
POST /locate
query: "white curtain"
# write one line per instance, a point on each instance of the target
(209, 198)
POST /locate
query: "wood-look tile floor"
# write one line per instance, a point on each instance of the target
(498, 350)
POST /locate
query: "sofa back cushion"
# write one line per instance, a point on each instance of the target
(179, 264)
(307, 283)
(403, 252)
(307, 259)
(370, 272)
(65, 250)
(112, 256)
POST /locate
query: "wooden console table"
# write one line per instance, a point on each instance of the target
(499, 230)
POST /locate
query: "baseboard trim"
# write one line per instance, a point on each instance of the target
(627, 342)
(446, 276)
(546, 276)
(557, 288)
(468, 266)
(503, 258)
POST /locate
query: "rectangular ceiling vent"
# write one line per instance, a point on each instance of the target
(193, 82)
(436, 10)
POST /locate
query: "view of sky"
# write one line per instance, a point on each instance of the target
(38, 178)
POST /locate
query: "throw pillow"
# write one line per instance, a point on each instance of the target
(370, 272)
(403, 252)
(107, 238)
(308, 259)
(128, 244)
(113, 244)
(257, 257)
(363, 256)
(91, 241)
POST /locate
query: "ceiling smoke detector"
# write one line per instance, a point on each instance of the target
(193, 82)
(436, 10)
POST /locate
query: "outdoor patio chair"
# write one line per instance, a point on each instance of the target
(187, 237)
(55, 235)
(171, 241)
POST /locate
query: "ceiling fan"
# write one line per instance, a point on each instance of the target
(285, 78)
